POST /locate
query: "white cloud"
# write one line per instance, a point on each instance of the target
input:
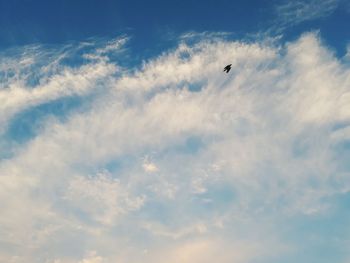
(71, 82)
(176, 234)
(260, 142)
(213, 249)
(207, 251)
(51, 80)
(347, 55)
(149, 167)
(292, 13)
(102, 197)
(93, 258)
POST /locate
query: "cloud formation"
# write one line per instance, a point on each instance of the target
(176, 160)
(291, 13)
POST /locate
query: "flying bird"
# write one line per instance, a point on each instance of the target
(227, 68)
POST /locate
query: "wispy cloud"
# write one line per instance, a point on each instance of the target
(38, 75)
(291, 13)
(268, 141)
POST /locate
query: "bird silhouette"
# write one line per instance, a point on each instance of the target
(227, 68)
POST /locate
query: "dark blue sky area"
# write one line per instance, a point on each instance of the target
(148, 22)
(27, 21)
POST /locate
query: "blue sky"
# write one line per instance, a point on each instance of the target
(121, 139)
(152, 23)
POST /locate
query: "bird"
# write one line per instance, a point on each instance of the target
(227, 68)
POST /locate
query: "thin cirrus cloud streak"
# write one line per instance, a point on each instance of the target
(292, 13)
(176, 159)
